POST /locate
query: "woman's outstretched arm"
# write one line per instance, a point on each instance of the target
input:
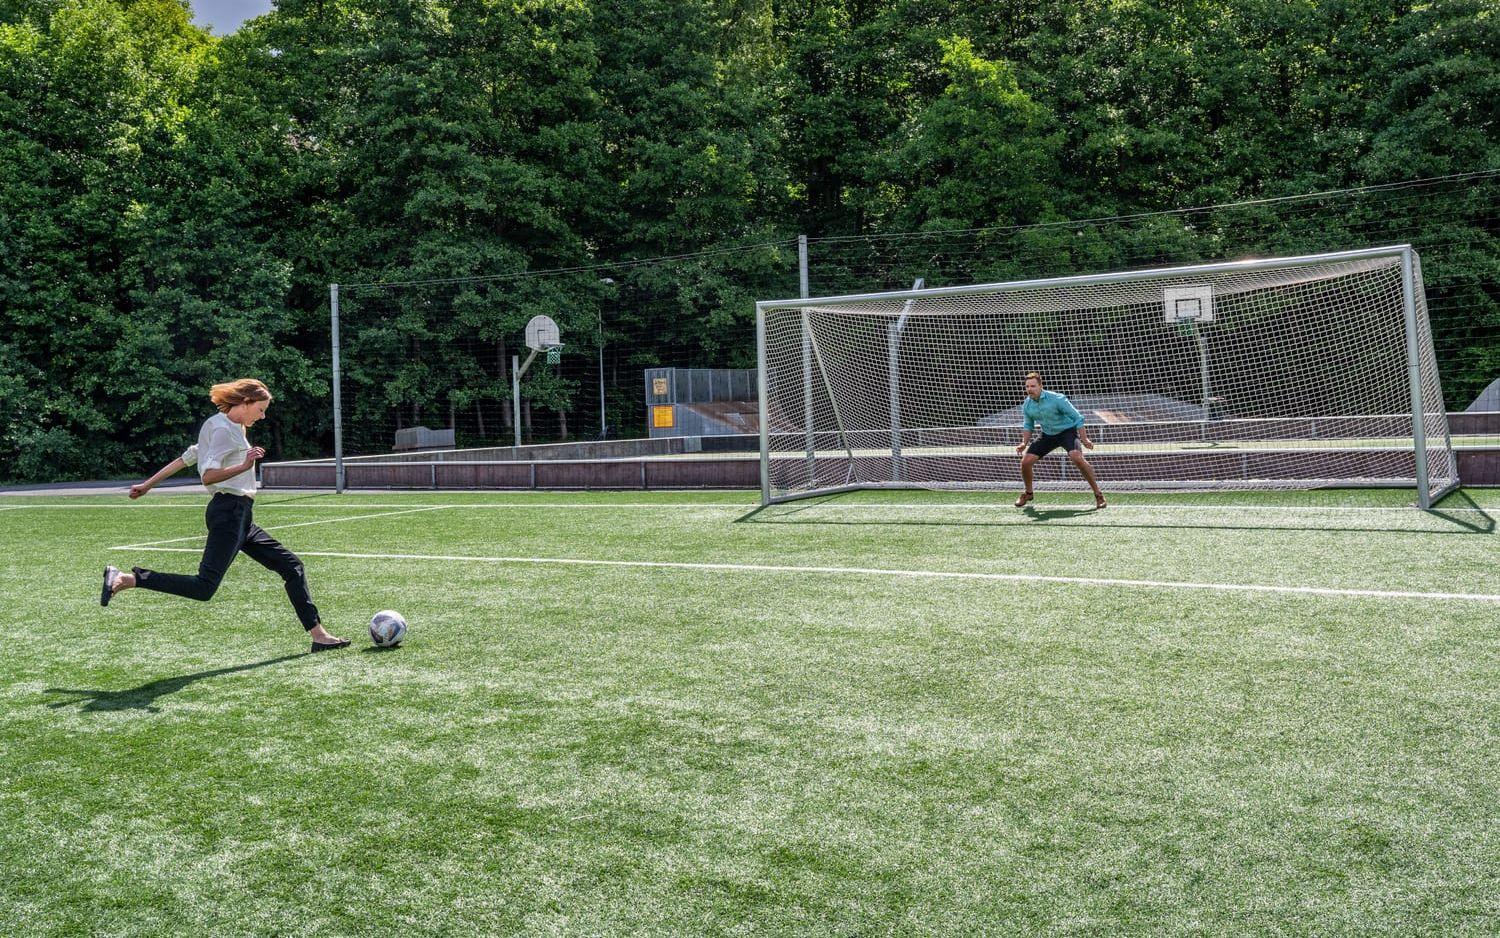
(165, 472)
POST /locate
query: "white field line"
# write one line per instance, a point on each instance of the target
(1049, 506)
(345, 506)
(793, 507)
(915, 574)
(280, 527)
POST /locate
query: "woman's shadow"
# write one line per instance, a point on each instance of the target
(145, 696)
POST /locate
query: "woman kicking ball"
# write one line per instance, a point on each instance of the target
(226, 463)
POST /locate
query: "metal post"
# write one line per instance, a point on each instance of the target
(893, 367)
(517, 369)
(893, 363)
(765, 427)
(802, 265)
(807, 401)
(603, 424)
(603, 427)
(1424, 345)
(1203, 366)
(338, 409)
(1203, 369)
(1414, 374)
(515, 398)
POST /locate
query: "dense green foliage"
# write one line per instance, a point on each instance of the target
(173, 204)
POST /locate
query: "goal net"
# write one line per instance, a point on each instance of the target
(1284, 373)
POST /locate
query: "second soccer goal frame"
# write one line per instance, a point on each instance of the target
(1280, 373)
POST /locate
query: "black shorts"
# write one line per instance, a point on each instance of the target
(1042, 445)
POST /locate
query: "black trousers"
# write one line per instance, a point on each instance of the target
(231, 529)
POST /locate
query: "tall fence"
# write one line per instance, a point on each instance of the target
(437, 353)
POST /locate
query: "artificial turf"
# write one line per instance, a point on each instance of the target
(591, 749)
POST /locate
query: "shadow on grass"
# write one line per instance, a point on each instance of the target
(380, 649)
(1457, 509)
(1460, 500)
(145, 696)
(291, 498)
(1053, 514)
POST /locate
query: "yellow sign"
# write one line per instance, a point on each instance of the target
(659, 387)
(662, 417)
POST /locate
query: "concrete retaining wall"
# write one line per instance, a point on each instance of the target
(1475, 467)
(538, 474)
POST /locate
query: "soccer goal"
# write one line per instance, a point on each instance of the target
(1281, 373)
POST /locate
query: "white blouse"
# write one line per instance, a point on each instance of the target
(221, 444)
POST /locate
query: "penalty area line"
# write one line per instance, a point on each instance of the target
(282, 527)
(914, 574)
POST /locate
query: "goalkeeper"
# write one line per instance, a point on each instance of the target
(1062, 426)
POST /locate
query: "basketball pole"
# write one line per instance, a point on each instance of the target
(541, 336)
(517, 369)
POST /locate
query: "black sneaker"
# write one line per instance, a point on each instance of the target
(111, 577)
(330, 646)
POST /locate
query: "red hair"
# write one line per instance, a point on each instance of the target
(233, 393)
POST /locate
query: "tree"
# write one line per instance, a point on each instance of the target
(981, 153)
(86, 88)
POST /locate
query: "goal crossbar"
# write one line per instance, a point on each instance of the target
(1079, 280)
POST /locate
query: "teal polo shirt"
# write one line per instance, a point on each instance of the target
(1053, 411)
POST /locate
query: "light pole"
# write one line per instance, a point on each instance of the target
(603, 425)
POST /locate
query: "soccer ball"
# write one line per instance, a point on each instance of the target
(387, 628)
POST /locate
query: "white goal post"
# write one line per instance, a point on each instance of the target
(1278, 373)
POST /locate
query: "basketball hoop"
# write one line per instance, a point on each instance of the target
(542, 335)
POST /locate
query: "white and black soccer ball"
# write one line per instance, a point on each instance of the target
(387, 628)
